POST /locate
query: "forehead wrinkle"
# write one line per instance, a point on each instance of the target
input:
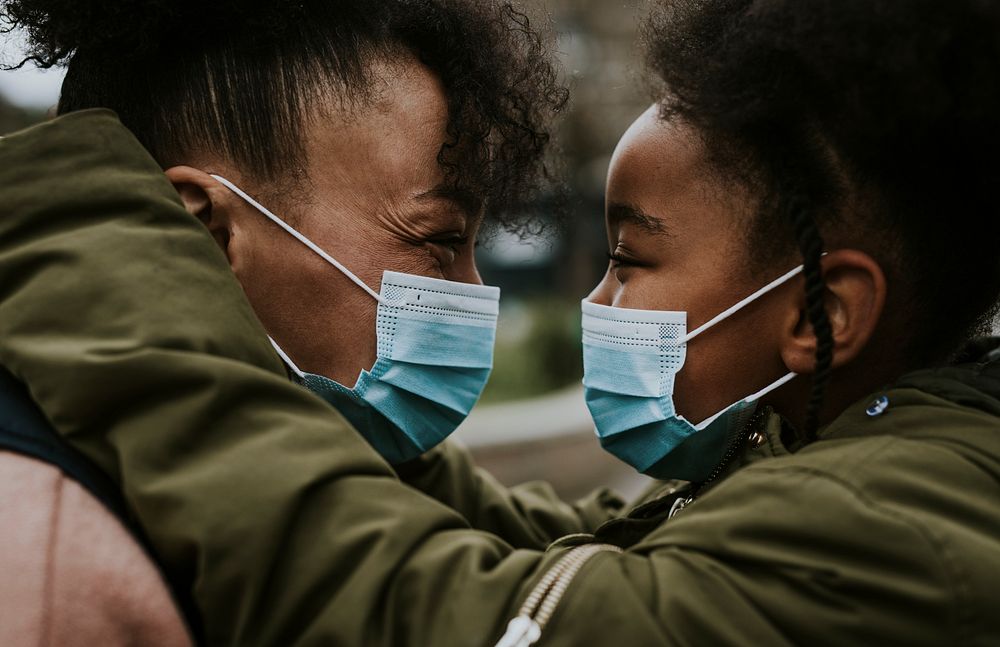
(467, 202)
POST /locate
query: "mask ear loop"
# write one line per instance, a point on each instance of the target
(285, 358)
(778, 282)
(750, 398)
(774, 387)
(729, 313)
(305, 241)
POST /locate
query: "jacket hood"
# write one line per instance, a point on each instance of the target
(955, 408)
(973, 381)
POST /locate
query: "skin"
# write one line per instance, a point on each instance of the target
(373, 199)
(677, 235)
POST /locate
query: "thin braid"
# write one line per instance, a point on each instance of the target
(811, 246)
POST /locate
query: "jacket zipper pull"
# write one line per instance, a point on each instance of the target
(734, 448)
(522, 631)
(679, 505)
(526, 628)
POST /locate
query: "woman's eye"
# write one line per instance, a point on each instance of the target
(454, 243)
(447, 250)
(618, 260)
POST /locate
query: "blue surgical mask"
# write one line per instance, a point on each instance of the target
(630, 363)
(434, 355)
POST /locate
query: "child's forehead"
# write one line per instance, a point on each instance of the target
(660, 181)
(659, 155)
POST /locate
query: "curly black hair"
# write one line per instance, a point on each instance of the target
(238, 76)
(866, 123)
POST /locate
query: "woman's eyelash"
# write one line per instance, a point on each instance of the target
(455, 241)
(617, 258)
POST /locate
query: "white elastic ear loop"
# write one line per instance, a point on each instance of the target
(302, 239)
(750, 398)
(288, 360)
(730, 312)
(742, 304)
(774, 387)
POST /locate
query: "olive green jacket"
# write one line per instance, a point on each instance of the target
(122, 316)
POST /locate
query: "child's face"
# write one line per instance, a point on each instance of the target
(678, 237)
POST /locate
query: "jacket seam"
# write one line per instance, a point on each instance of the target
(938, 547)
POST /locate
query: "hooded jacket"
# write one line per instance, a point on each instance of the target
(125, 321)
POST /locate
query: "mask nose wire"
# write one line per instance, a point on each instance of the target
(742, 304)
(305, 241)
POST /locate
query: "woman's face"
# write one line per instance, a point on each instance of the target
(677, 236)
(375, 201)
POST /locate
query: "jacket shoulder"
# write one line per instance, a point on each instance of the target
(896, 519)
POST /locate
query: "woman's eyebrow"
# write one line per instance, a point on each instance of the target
(619, 213)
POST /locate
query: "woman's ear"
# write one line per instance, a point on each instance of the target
(202, 198)
(855, 297)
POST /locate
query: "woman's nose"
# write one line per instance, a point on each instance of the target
(463, 270)
(469, 272)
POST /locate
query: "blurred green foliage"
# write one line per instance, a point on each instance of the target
(541, 355)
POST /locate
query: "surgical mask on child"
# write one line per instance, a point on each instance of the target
(630, 363)
(434, 355)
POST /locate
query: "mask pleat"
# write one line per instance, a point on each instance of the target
(463, 385)
(438, 343)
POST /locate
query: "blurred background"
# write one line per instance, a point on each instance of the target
(532, 422)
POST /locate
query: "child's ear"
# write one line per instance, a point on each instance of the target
(205, 199)
(855, 296)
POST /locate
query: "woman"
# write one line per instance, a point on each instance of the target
(849, 499)
(384, 135)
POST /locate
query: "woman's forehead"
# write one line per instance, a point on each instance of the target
(390, 148)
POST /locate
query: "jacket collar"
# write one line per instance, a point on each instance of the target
(972, 381)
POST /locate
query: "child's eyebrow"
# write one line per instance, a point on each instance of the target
(619, 213)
